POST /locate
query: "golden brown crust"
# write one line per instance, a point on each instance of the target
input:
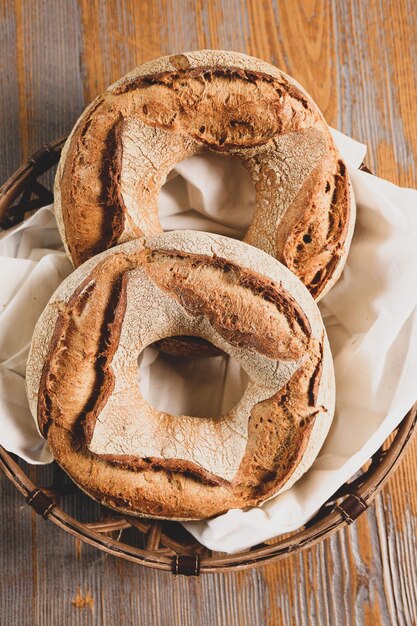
(87, 390)
(126, 143)
(279, 431)
(187, 346)
(186, 277)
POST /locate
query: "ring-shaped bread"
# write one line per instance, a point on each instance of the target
(82, 377)
(126, 142)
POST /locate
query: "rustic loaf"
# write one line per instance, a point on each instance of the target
(83, 387)
(126, 142)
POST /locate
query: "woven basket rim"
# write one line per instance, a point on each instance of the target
(341, 509)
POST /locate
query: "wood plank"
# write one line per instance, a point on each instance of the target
(116, 38)
(9, 110)
(46, 75)
(358, 60)
(49, 50)
(17, 555)
(378, 83)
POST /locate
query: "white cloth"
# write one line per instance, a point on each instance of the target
(370, 316)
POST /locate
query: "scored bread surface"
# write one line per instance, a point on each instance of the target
(266, 442)
(124, 145)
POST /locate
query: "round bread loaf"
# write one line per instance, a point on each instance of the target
(82, 376)
(126, 142)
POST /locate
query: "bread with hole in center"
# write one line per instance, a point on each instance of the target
(82, 377)
(126, 142)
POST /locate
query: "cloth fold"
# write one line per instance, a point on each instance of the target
(370, 316)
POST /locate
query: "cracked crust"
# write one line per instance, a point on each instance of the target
(82, 376)
(126, 142)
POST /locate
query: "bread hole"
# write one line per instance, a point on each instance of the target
(307, 238)
(209, 192)
(208, 386)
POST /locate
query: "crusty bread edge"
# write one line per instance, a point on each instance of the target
(200, 243)
(58, 178)
(346, 246)
(326, 397)
(200, 58)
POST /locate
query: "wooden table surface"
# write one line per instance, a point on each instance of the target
(358, 59)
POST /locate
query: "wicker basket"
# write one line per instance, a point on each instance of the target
(166, 545)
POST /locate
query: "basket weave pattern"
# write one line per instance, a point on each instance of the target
(166, 545)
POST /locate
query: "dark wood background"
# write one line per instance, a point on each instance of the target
(358, 59)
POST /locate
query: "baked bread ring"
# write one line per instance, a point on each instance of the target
(125, 143)
(82, 376)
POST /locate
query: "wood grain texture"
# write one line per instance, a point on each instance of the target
(359, 61)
